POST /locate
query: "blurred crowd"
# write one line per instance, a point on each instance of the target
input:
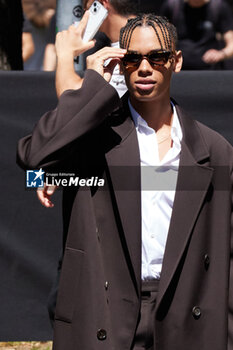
(205, 32)
(38, 37)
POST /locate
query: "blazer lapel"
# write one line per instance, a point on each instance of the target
(124, 169)
(193, 181)
(192, 185)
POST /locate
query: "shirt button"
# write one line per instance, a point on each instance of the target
(196, 312)
(101, 334)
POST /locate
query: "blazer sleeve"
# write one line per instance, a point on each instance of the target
(230, 313)
(78, 112)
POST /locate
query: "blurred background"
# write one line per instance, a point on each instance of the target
(28, 29)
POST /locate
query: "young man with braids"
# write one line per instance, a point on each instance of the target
(146, 265)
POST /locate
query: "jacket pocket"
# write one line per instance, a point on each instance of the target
(68, 285)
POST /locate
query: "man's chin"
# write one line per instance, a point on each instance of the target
(147, 91)
(144, 96)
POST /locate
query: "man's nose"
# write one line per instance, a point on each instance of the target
(145, 65)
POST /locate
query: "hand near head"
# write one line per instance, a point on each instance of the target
(44, 195)
(69, 42)
(105, 60)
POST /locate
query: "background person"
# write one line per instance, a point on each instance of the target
(199, 24)
(118, 13)
(39, 34)
(11, 23)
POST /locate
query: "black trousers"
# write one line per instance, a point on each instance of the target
(145, 334)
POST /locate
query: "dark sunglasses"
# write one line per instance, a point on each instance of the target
(155, 58)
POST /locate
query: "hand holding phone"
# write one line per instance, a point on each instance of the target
(69, 43)
(97, 14)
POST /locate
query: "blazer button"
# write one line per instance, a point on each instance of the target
(97, 232)
(196, 312)
(101, 334)
(106, 285)
(207, 261)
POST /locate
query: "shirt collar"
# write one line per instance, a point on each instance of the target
(142, 126)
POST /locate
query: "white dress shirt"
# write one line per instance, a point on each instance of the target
(158, 184)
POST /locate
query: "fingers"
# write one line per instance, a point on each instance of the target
(79, 27)
(213, 56)
(89, 45)
(111, 65)
(51, 190)
(109, 68)
(97, 61)
(83, 23)
(110, 52)
(104, 54)
(69, 42)
(44, 195)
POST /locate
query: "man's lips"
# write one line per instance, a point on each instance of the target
(145, 84)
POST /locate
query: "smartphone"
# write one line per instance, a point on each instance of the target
(97, 14)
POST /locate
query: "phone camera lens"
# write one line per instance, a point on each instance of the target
(95, 9)
(95, 4)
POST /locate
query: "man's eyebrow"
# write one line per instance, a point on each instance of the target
(157, 50)
(132, 51)
(152, 51)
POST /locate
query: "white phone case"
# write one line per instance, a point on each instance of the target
(97, 14)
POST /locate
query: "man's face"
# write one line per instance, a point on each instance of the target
(148, 82)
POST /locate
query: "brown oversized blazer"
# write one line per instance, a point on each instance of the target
(91, 132)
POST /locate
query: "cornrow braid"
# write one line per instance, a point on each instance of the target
(150, 23)
(127, 30)
(165, 33)
(168, 31)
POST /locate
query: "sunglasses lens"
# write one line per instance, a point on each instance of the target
(159, 58)
(131, 59)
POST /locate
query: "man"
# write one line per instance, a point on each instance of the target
(200, 25)
(143, 268)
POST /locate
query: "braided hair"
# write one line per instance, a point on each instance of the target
(167, 39)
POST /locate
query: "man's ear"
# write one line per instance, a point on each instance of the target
(178, 61)
(105, 3)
